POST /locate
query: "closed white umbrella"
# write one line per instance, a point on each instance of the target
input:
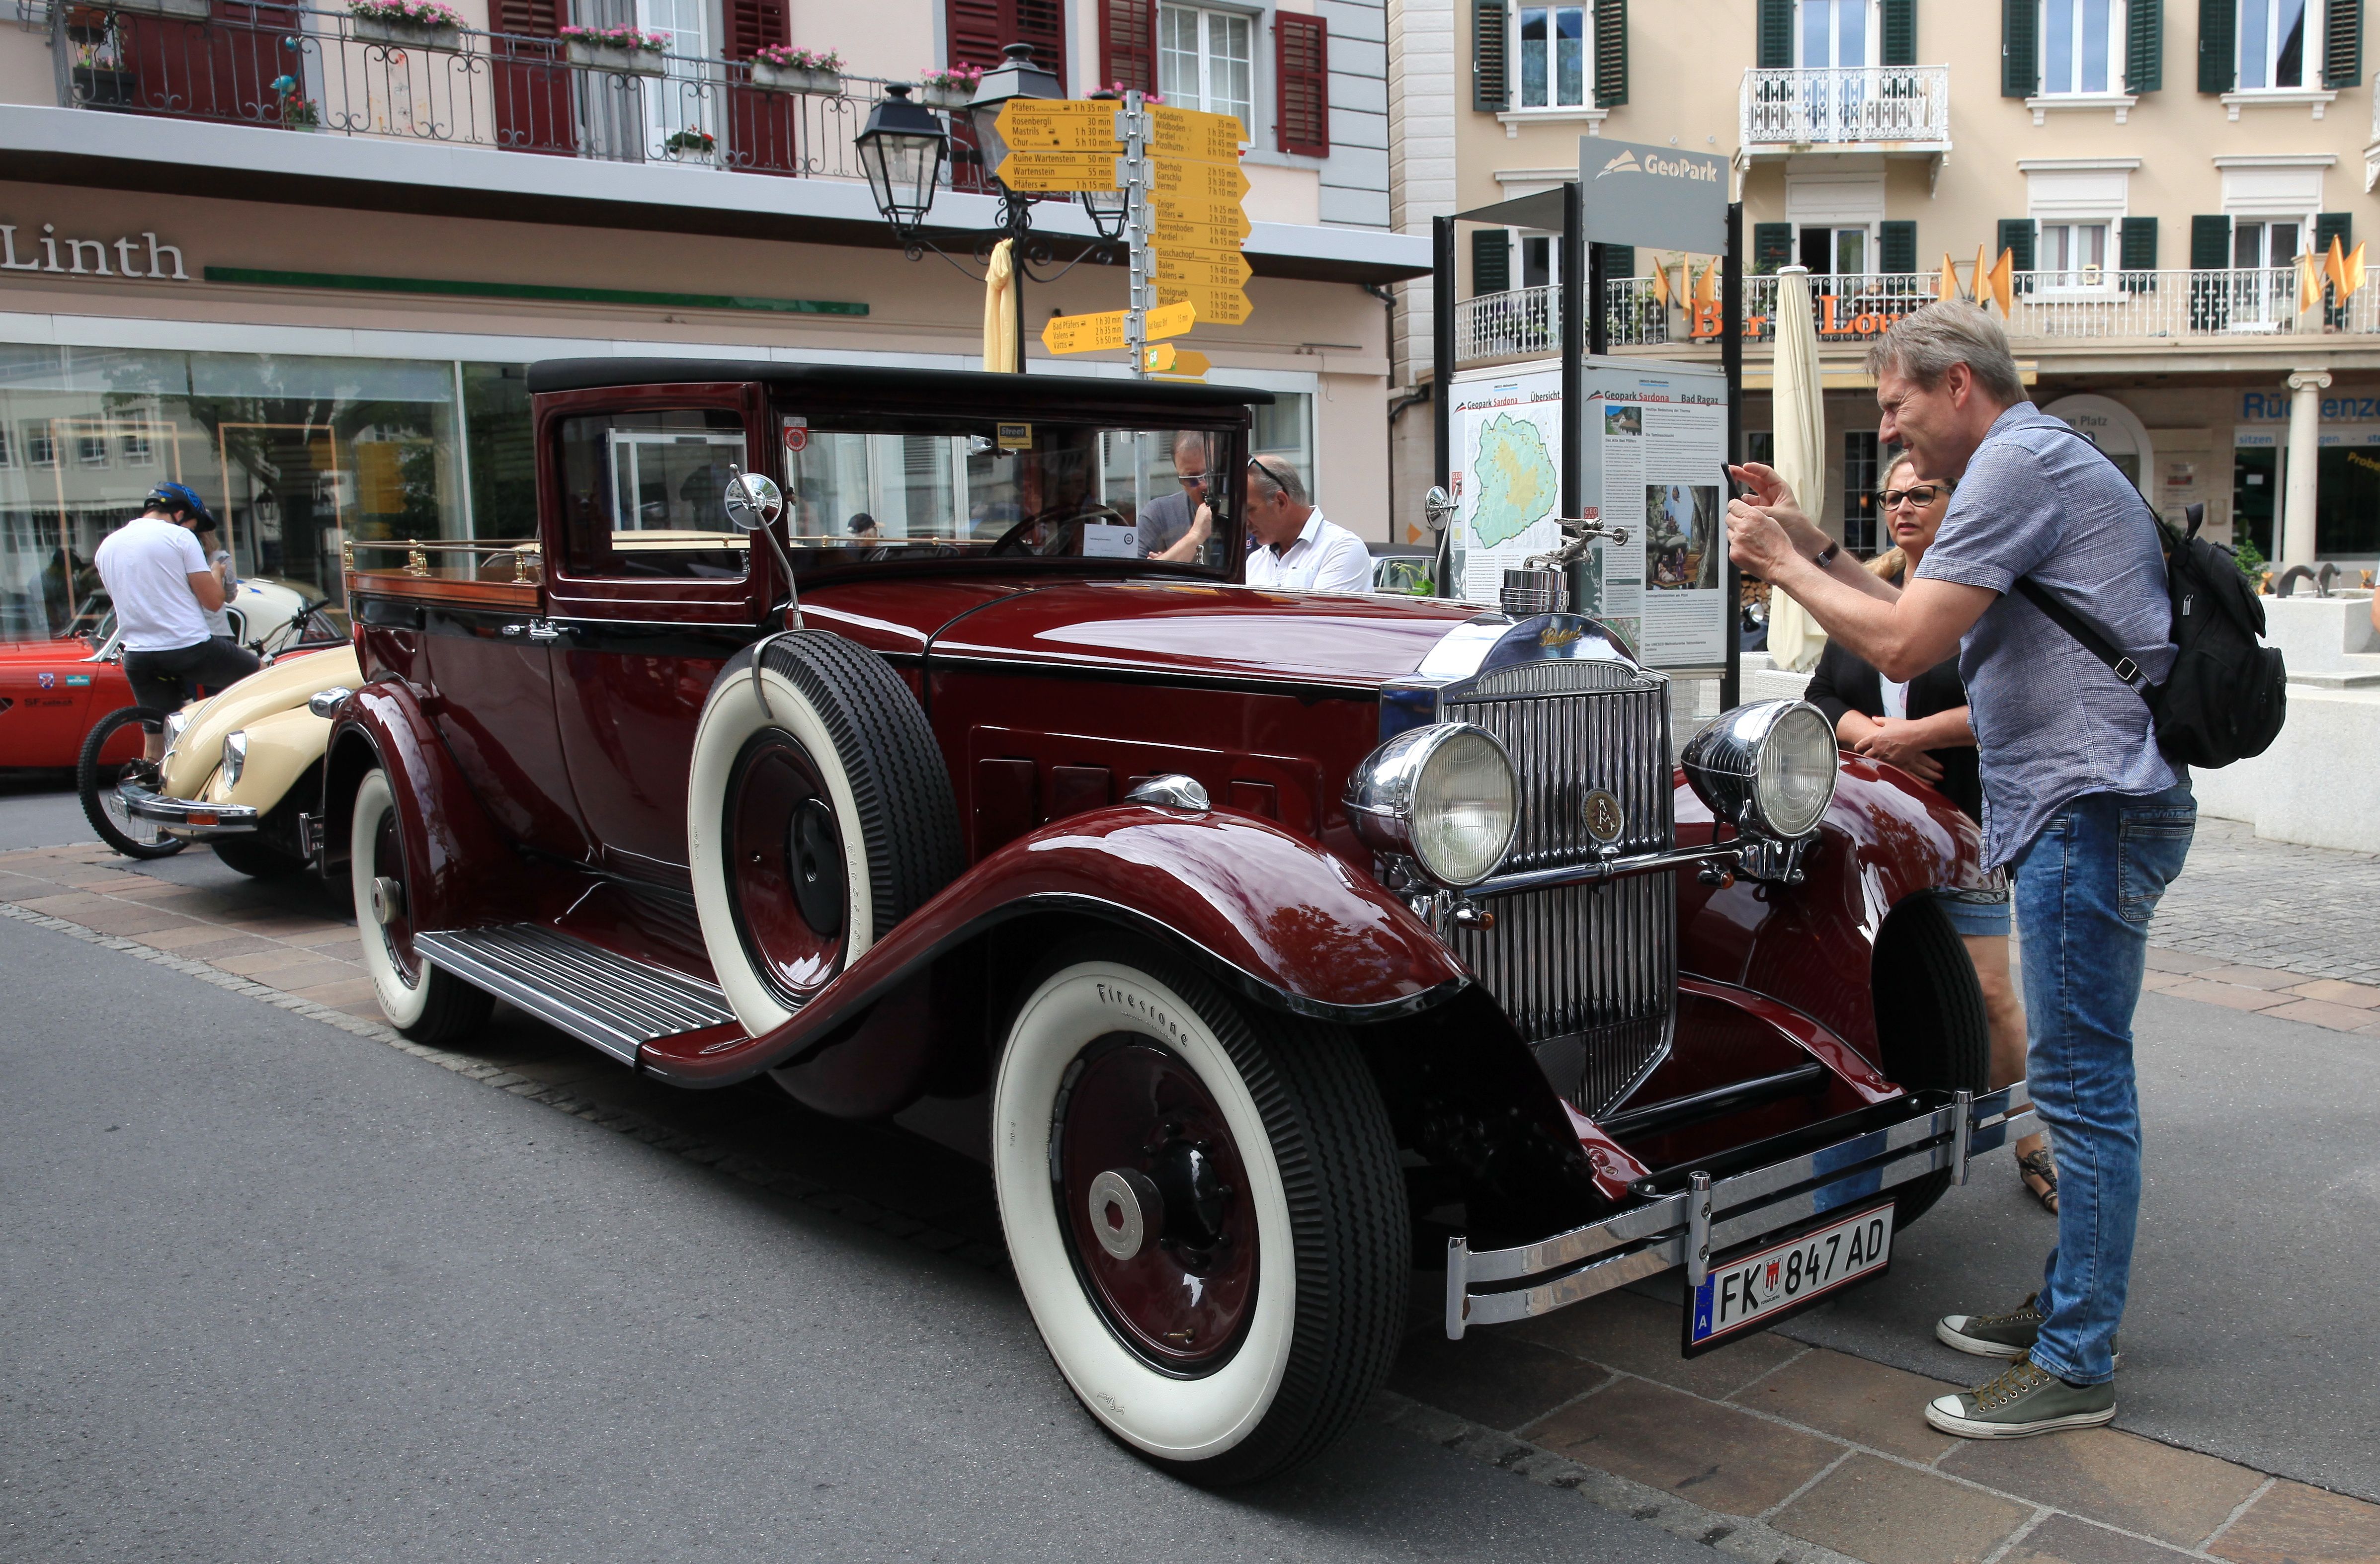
(1799, 416)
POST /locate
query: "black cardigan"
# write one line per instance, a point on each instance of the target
(1845, 682)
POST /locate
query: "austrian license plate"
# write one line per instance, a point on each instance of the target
(1754, 1290)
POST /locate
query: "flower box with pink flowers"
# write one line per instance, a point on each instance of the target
(781, 67)
(626, 51)
(407, 24)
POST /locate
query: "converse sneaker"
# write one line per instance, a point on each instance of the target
(2022, 1401)
(2010, 1335)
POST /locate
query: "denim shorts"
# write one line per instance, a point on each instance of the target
(1979, 914)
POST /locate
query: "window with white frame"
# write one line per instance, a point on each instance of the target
(1831, 250)
(1554, 67)
(1207, 60)
(2071, 255)
(1830, 33)
(2082, 46)
(2274, 45)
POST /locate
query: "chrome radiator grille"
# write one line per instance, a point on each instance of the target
(1586, 973)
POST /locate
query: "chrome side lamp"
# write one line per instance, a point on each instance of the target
(1768, 769)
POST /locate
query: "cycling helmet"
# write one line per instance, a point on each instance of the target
(180, 497)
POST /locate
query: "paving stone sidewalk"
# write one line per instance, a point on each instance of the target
(1769, 1451)
(2246, 902)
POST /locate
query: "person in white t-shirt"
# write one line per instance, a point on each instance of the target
(163, 589)
(1297, 547)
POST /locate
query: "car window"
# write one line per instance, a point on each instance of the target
(931, 489)
(643, 494)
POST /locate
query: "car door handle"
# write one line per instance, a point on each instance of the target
(536, 630)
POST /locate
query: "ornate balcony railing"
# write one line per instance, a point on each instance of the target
(1857, 104)
(327, 72)
(2048, 307)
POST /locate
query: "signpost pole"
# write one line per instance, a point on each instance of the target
(1730, 360)
(1137, 226)
(1442, 375)
(1576, 307)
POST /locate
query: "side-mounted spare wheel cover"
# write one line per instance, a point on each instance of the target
(819, 816)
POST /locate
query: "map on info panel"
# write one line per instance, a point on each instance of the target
(1507, 479)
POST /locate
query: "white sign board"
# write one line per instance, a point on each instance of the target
(1653, 462)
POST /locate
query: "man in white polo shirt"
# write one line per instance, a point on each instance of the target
(1297, 549)
(163, 589)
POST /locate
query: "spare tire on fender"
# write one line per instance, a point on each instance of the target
(819, 816)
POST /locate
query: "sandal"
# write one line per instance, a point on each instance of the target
(2036, 1164)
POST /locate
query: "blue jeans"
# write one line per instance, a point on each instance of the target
(2085, 890)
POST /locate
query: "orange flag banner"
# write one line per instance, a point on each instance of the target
(2003, 281)
(1707, 290)
(1661, 282)
(1983, 271)
(2350, 273)
(1947, 286)
(2334, 266)
(2309, 271)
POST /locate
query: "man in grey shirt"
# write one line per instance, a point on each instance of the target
(2078, 802)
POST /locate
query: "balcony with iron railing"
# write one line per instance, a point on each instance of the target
(1865, 107)
(314, 72)
(2047, 309)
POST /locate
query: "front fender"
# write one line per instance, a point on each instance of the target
(454, 857)
(1290, 924)
(1885, 837)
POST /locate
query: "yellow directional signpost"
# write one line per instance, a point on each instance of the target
(1180, 363)
(1180, 170)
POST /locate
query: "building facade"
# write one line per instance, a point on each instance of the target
(2153, 169)
(300, 261)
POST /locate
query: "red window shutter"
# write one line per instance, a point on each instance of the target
(753, 24)
(1301, 70)
(980, 28)
(1128, 45)
(529, 18)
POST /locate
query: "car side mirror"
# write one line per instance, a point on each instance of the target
(1438, 508)
(753, 502)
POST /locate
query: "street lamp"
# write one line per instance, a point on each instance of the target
(901, 150)
(1108, 209)
(1016, 77)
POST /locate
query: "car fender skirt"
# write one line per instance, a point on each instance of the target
(1267, 911)
(452, 851)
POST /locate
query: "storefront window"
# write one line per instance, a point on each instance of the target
(2346, 509)
(503, 451)
(295, 455)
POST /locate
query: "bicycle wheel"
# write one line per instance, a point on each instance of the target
(95, 783)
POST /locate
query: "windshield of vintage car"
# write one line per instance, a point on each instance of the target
(911, 488)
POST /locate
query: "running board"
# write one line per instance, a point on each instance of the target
(617, 1004)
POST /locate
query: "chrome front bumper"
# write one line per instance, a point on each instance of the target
(184, 817)
(1687, 1226)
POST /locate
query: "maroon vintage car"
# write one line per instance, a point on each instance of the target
(1267, 934)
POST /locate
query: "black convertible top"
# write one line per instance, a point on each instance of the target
(1006, 392)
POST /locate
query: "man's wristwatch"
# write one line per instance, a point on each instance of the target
(1827, 556)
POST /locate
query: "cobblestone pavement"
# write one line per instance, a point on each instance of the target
(1771, 1450)
(2251, 902)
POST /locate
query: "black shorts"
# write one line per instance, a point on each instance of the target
(163, 681)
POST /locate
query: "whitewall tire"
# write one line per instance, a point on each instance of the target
(422, 1000)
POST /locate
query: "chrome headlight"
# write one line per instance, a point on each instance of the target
(234, 758)
(1767, 769)
(1444, 796)
(326, 703)
(174, 723)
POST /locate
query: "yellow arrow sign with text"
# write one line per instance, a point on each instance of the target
(1212, 211)
(1051, 125)
(1058, 171)
(1183, 363)
(1207, 268)
(1198, 181)
(1084, 333)
(1216, 306)
(1219, 238)
(1169, 320)
(1186, 133)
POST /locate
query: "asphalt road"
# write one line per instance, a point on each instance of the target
(274, 1290)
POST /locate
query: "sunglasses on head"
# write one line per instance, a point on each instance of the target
(1923, 496)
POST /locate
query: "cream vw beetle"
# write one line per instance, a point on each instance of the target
(241, 771)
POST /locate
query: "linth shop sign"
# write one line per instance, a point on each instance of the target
(143, 257)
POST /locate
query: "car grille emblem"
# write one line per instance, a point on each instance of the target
(1604, 819)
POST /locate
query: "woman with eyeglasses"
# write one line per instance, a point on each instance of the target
(1923, 728)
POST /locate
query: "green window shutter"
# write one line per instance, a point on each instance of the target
(1899, 32)
(1775, 34)
(2144, 46)
(2329, 226)
(2216, 68)
(1488, 92)
(2342, 43)
(1896, 246)
(2020, 48)
(1491, 261)
(2016, 238)
(1772, 245)
(1610, 54)
(2136, 252)
(2210, 244)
